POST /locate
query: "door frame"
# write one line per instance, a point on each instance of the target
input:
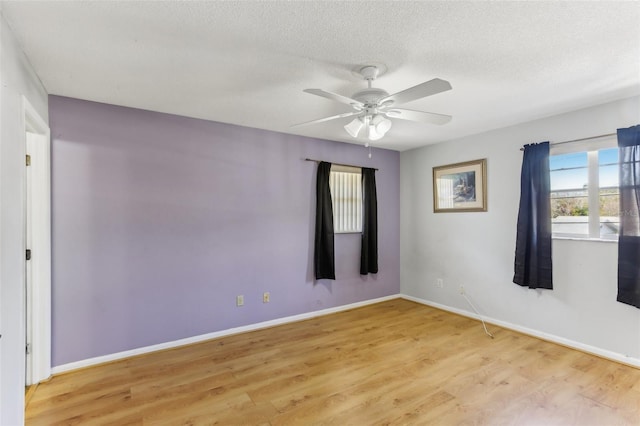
(38, 364)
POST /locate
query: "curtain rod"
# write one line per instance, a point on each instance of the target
(338, 164)
(580, 140)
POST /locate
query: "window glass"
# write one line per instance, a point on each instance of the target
(609, 194)
(569, 194)
(346, 197)
(580, 180)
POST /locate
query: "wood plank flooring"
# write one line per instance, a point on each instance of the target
(395, 362)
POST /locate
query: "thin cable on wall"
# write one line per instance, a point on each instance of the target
(464, 294)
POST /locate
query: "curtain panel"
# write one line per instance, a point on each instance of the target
(533, 266)
(369, 246)
(324, 258)
(629, 239)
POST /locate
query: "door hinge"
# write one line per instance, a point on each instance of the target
(28, 160)
(28, 349)
(28, 254)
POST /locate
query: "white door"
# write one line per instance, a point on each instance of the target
(37, 234)
(31, 139)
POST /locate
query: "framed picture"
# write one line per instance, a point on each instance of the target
(460, 187)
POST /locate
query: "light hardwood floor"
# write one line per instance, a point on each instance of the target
(396, 362)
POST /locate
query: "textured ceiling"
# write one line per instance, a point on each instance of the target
(247, 62)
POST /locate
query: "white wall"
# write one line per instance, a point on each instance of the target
(477, 249)
(17, 79)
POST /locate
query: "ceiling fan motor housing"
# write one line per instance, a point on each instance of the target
(370, 96)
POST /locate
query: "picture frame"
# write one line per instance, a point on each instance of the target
(460, 187)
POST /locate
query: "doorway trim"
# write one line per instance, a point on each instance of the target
(38, 364)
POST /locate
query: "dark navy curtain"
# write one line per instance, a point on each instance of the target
(629, 240)
(369, 248)
(532, 266)
(324, 262)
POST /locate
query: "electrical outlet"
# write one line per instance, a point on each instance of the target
(439, 283)
(266, 297)
(461, 289)
(239, 300)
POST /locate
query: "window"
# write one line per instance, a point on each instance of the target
(584, 190)
(346, 195)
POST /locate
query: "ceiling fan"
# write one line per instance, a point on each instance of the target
(372, 107)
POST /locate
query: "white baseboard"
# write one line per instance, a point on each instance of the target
(613, 356)
(204, 337)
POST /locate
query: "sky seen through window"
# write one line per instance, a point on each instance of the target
(569, 171)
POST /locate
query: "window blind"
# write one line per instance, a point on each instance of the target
(346, 195)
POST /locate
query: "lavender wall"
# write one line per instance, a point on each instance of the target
(159, 221)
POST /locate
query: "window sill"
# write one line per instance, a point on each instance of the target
(595, 240)
(347, 232)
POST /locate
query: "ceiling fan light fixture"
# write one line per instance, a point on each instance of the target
(354, 127)
(376, 126)
(382, 124)
(372, 134)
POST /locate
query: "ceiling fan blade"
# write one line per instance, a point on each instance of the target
(421, 116)
(333, 117)
(422, 90)
(334, 97)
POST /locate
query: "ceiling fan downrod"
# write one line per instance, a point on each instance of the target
(369, 73)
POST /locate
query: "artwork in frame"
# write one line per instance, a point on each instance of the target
(460, 187)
